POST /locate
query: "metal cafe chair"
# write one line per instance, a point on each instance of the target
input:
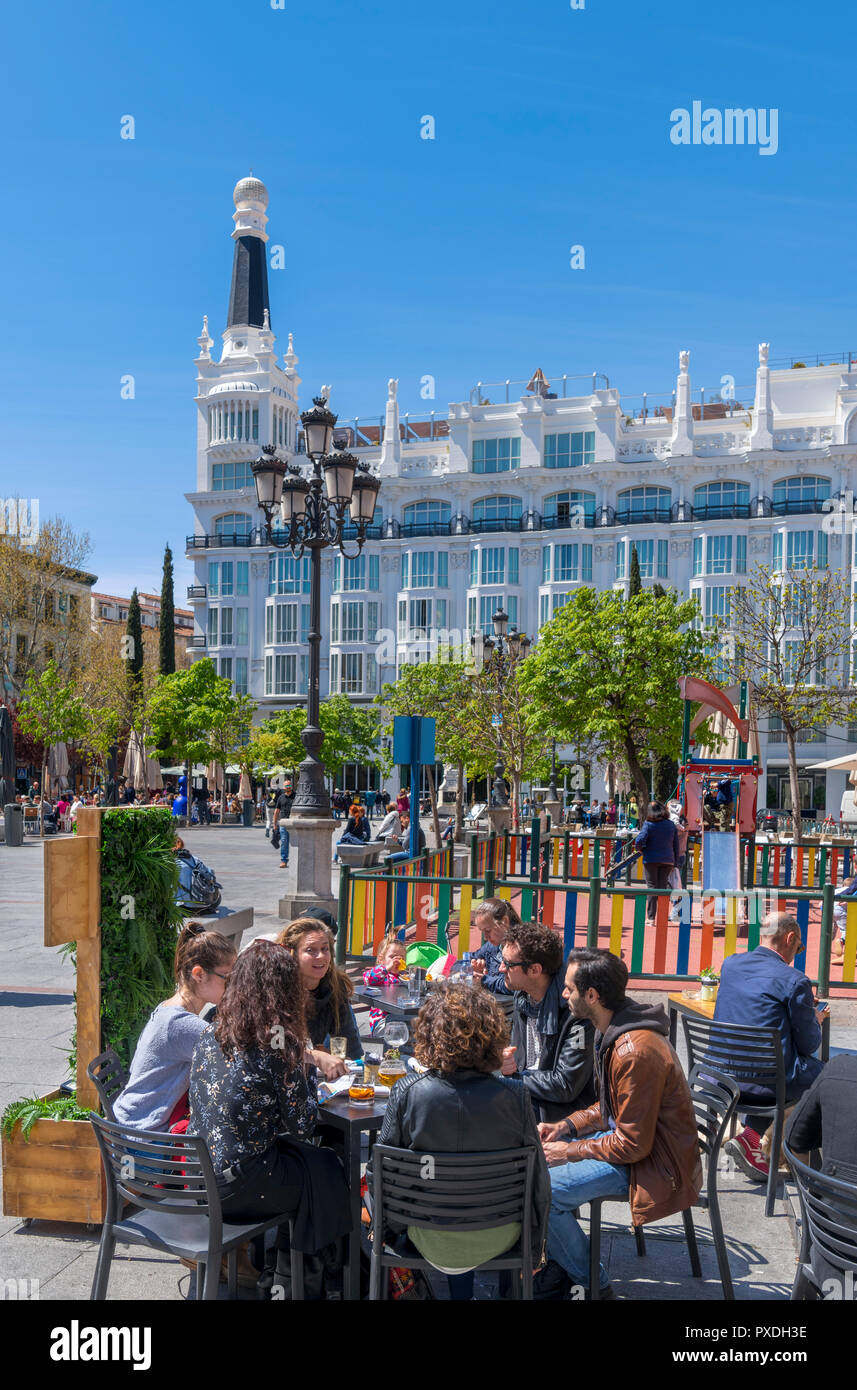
(467, 1192)
(829, 1230)
(748, 1055)
(109, 1078)
(715, 1097)
(170, 1180)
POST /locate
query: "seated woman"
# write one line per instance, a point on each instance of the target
(390, 825)
(460, 1106)
(156, 1094)
(357, 830)
(253, 1093)
(328, 990)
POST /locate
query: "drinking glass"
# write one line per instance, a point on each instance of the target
(339, 1047)
(396, 1033)
(371, 1063)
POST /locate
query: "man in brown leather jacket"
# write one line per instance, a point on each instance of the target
(639, 1140)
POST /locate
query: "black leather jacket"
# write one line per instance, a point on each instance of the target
(468, 1112)
(563, 1080)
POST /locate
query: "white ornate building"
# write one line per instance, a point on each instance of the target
(514, 497)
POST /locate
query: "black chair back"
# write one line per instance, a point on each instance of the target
(109, 1078)
(157, 1171)
(749, 1055)
(829, 1208)
(453, 1192)
(715, 1098)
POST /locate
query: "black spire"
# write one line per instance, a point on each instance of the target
(248, 297)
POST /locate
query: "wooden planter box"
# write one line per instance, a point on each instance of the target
(56, 1174)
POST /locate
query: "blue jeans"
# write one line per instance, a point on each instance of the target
(572, 1184)
(284, 844)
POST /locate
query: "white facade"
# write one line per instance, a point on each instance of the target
(516, 502)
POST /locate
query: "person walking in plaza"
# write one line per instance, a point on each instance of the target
(403, 802)
(639, 1139)
(659, 842)
(282, 811)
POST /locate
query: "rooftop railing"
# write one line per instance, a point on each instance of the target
(554, 388)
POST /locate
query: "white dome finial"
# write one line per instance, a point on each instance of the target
(250, 190)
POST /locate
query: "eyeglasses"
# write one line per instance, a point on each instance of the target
(512, 964)
(219, 976)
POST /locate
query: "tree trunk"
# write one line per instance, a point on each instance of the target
(459, 806)
(42, 789)
(515, 780)
(638, 777)
(797, 820)
(415, 809)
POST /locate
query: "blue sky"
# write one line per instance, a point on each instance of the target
(404, 256)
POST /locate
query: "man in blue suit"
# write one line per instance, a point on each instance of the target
(761, 989)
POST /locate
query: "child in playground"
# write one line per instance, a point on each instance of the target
(845, 893)
(389, 964)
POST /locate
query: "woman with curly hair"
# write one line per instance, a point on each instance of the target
(328, 989)
(253, 1092)
(460, 1105)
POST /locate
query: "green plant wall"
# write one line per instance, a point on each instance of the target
(139, 922)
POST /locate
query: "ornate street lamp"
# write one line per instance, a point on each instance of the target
(504, 644)
(310, 511)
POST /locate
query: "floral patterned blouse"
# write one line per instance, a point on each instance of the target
(239, 1104)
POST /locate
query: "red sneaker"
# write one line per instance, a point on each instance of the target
(746, 1151)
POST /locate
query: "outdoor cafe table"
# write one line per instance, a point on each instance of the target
(352, 1120)
(686, 1001)
(393, 1000)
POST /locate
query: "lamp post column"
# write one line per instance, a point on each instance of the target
(311, 798)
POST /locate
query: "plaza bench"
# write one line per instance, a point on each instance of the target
(361, 856)
(231, 922)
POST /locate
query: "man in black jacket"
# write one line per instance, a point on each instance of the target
(282, 811)
(551, 1051)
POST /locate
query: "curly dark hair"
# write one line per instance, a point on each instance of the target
(460, 1027)
(538, 945)
(263, 1004)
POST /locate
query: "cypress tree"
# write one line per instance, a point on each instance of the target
(635, 585)
(167, 640)
(134, 648)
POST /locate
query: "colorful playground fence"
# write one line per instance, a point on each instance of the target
(710, 925)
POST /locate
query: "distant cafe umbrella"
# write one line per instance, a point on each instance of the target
(57, 764)
(134, 766)
(7, 758)
(245, 791)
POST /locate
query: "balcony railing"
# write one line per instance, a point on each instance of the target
(197, 642)
(652, 516)
(555, 388)
(368, 432)
(226, 538)
(799, 507)
(731, 512)
(197, 590)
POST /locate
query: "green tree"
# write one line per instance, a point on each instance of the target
(351, 735)
(50, 711)
(444, 690)
(607, 669)
(635, 583)
(167, 621)
(789, 634)
(194, 716)
(134, 654)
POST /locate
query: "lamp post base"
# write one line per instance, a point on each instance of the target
(312, 839)
(499, 818)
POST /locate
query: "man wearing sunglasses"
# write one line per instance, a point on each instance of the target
(552, 1051)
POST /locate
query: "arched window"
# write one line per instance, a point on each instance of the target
(426, 518)
(719, 500)
(801, 493)
(643, 504)
(562, 507)
(232, 525)
(498, 508)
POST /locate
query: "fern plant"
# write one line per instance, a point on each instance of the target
(26, 1112)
